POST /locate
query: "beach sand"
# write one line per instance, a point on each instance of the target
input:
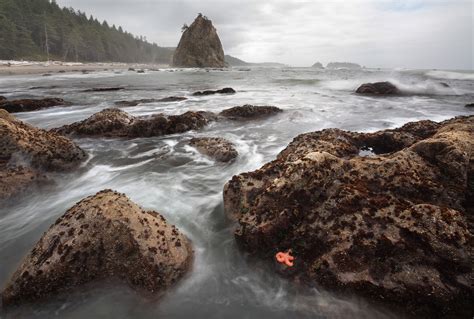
(28, 67)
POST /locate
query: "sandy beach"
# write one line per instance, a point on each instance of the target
(35, 67)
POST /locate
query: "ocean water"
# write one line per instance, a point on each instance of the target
(166, 175)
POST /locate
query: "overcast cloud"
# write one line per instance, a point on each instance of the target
(375, 33)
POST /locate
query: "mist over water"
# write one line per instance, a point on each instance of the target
(166, 175)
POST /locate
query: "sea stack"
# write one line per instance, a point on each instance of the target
(200, 46)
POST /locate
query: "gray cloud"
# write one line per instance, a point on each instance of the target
(376, 33)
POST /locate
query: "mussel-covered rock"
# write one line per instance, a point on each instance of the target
(215, 147)
(395, 226)
(103, 236)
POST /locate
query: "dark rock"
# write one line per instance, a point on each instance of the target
(210, 92)
(395, 227)
(215, 147)
(317, 65)
(173, 99)
(2, 98)
(22, 143)
(27, 105)
(444, 84)
(247, 111)
(131, 69)
(199, 46)
(109, 89)
(140, 71)
(47, 74)
(378, 88)
(61, 71)
(145, 101)
(470, 105)
(103, 236)
(117, 123)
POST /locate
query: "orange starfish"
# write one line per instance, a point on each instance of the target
(285, 258)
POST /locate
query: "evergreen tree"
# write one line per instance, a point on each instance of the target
(29, 29)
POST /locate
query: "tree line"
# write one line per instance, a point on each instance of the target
(41, 30)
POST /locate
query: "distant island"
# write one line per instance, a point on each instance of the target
(233, 61)
(343, 65)
(317, 65)
(42, 30)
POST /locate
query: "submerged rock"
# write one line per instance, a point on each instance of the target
(102, 236)
(378, 88)
(215, 147)
(247, 111)
(145, 101)
(105, 89)
(394, 227)
(117, 123)
(200, 46)
(210, 92)
(16, 180)
(27, 105)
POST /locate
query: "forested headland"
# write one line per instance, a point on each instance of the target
(41, 30)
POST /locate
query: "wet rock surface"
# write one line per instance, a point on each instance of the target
(103, 236)
(378, 88)
(26, 152)
(247, 112)
(105, 89)
(199, 46)
(27, 105)
(395, 227)
(145, 101)
(215, 147)
(15, 181)
(117, 123)
(211, 92)
(470, 105)
(21, 143)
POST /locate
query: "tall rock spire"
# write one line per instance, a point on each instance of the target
(200, 46)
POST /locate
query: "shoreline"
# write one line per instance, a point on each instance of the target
(33, 68)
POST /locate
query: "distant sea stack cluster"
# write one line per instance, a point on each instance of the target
(199, 46)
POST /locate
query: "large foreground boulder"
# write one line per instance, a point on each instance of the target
(378, 88)
(102, 236)
(117, 123)
(217, 148)
(27, 105)
(199, 46)
(395, 226)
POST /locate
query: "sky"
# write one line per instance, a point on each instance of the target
(375, 33)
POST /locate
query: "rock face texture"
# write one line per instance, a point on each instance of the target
(117, 123)
(210, 92)
(27, 105)
(200, 46)
(26, 151)
(24, 144)
(102, 236)
(378, 88)
(218, 148)
(247, 112)
(395, 227)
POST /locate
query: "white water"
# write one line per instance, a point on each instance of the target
(166, 175)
